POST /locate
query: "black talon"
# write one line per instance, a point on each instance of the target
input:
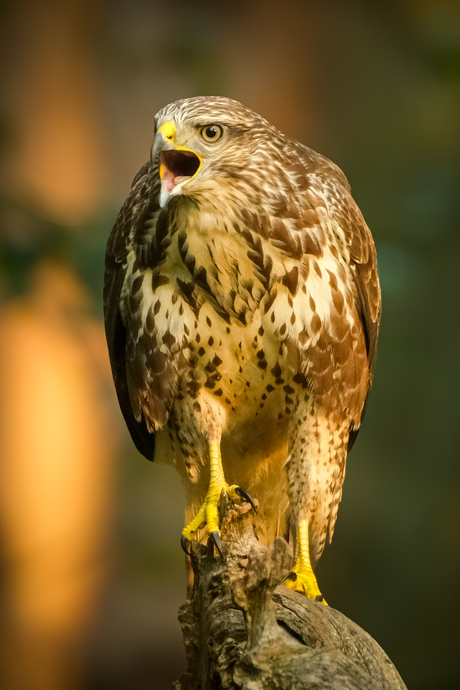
(254, 528)
(184, 543)
(319, 597)
(247, 497)
(290, 576)
(216, 539)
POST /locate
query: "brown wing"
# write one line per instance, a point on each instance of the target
(131, 217)
(363, 263)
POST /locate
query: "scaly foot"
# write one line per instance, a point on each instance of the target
(208, 514)
(302, 578)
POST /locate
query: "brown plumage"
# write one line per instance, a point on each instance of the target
(245, 309)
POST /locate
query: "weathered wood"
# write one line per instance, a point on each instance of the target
(242, 629)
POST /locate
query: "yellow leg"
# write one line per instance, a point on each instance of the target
(302, 578)
(208, 512)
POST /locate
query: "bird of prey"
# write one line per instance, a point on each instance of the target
(242, 310)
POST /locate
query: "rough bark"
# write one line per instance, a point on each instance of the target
(242, 629)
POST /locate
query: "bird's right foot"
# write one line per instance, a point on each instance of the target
(208, 514)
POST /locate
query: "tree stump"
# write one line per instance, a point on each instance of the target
(243, 629)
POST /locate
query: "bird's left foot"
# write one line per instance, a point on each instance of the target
(208, 514)
(305, 583)
(302, 578)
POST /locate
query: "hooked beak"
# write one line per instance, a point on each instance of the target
(178, 164)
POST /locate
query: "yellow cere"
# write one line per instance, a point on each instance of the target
(168, 130)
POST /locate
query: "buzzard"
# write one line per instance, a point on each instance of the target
(242, 310)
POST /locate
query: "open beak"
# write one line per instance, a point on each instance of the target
(178, 164)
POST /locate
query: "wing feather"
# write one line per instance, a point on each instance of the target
(362, 258)
(118, 248)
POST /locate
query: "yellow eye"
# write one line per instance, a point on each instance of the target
(212, 132)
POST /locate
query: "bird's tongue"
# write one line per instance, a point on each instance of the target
(170, 180)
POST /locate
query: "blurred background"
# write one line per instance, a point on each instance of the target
(91, 570)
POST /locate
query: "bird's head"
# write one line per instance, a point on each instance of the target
(198, 140)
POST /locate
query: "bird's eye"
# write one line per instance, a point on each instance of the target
(211, 132)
